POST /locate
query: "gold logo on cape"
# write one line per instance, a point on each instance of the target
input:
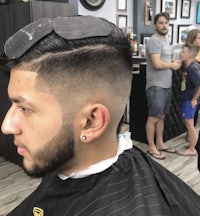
(38, 211)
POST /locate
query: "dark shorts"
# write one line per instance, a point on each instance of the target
(187, 112)
(158, 101)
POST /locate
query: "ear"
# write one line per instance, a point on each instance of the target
(97, 118)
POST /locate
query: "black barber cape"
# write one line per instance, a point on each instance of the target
(135, 185)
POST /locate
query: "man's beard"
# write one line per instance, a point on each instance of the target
(54, 154)
(162, 33)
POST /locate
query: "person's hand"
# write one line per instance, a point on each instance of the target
(193, 103)
(176, 65)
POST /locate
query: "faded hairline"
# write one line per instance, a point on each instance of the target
(192, 49)
(96, 71)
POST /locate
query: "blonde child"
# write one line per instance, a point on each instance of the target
(190, 84)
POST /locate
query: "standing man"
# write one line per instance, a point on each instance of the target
(158, 84)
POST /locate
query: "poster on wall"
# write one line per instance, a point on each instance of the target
(198, 13)
(122, 22)
(182, 33)
(185, 9)
(169, 6)
(170, 33)
(121, 5)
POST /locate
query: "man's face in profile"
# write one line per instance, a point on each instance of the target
(36, 121)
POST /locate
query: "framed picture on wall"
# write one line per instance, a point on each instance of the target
(122, 22)
(169, 6)
(121, 5)
(145, 37)
(182, 33)
(185, 8)
(170, 33)
(92, 5)
(198, 13)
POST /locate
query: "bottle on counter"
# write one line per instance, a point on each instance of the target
(133, 42)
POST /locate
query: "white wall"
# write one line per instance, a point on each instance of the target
(109, 11)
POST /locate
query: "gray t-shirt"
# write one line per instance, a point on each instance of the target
(157, 77)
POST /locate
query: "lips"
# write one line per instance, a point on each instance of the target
(21, 150)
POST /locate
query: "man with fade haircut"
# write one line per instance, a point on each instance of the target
(70, 80)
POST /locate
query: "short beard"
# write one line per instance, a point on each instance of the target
(161, 33)
(54, 154)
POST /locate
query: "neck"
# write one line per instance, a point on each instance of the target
(90, 154)
(160, 36)
(188, 62)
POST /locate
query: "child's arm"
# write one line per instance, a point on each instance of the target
(194, 99)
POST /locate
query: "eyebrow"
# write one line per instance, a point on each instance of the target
(16, 99)
(19, 100)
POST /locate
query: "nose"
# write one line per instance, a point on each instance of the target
(10, 125)
(165, 25)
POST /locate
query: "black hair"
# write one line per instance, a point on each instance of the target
(100, 62)
(157, 16)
